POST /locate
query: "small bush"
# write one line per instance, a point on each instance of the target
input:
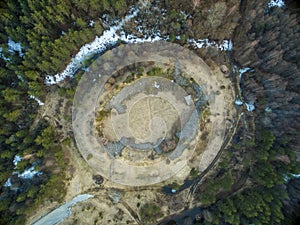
(193, 172)
(89, 156)
(150, 213)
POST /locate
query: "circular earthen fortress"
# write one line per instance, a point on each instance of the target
(144, 112)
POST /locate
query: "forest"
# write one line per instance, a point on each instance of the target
(39, 38)
(50, 32)
(271, 39)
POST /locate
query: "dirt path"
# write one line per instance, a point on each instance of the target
(227, 140)
(132, 212)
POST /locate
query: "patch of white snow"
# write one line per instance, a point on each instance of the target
(38, 100)
(99, 45)
(250, 106)
(17, 159)
(7, 183)
(110, 38)
(238, 102)
(276, 3)
(226, 45)
(295, 175)
(291, 175)
(91, 24)
(129, 38)
(15, 46)
(2, 56)
(244, 70)
(29, 173)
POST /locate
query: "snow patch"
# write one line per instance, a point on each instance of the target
(110, 38)
(91, 24)
(99, 45)
(37, 100)
(226, 45)
(7, 183)
(29, 173)
(14, 47)
(291, 175)
(276, 3)
(2, 56)
(17, 159)
(129, 38)
(250, 106)
(238, 102)
(244, 70)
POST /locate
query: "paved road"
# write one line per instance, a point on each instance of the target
(62, 212)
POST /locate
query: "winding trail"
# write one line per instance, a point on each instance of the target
(227, 139)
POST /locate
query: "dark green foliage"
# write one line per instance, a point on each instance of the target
(150, 213)
(193, 173)
(213, 186)
(50, 33)
(156, 71)
(262, 203)
(256, 205)
(273, 161)
(16, 113)
(34, 191)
